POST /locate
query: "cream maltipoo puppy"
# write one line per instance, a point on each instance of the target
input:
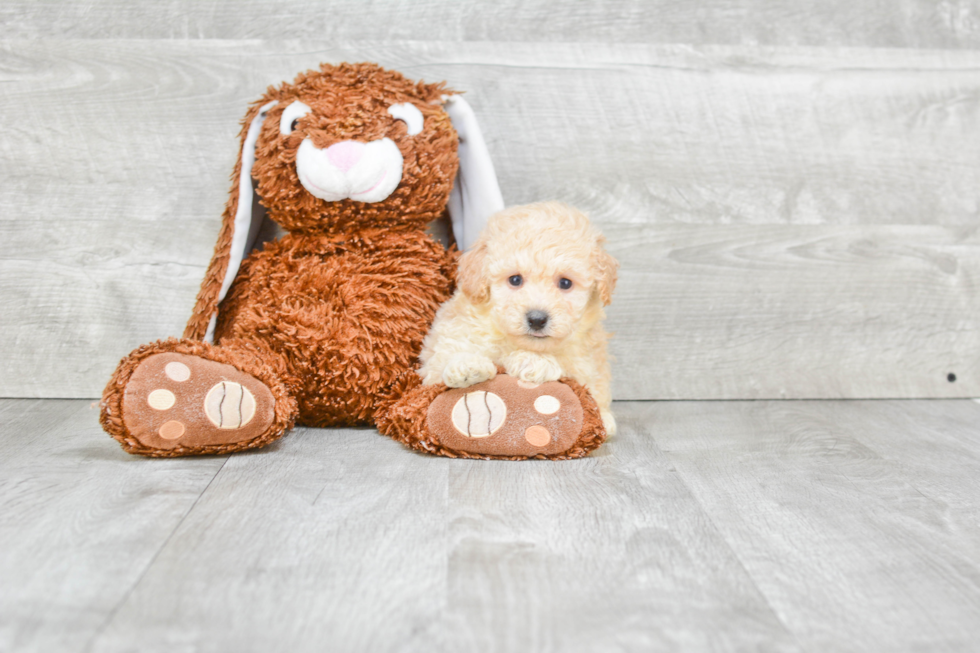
(530, 298)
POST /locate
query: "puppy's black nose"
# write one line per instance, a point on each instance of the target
(536, 320)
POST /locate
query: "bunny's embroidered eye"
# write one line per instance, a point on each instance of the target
(409, 114)
(515, 280)
(290, 117)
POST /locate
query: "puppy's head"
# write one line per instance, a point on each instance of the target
(544, 272)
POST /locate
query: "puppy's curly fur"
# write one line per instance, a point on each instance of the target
(530, 298)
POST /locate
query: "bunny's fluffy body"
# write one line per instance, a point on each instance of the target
(340, 303)
(530, 298)
(330, 316)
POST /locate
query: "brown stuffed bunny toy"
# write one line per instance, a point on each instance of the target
(323, 326)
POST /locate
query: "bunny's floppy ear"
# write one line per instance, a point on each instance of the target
(476, 193)
(240, 226)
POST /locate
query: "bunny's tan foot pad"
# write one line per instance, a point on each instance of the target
(509, 419)
(179, 404)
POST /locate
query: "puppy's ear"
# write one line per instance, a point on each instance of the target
(470, 277)
(606, 268)
(239, 229)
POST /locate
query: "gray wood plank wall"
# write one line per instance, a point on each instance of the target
(793, 190)
(942, 24)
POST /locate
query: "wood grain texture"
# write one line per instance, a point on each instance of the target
(900, 23)
(81, 521)
(342, 540)
(852, 550)
(703, 526)
(330, 540)
(605, 554)
(785, 312)
(115, 156)
(940, 458)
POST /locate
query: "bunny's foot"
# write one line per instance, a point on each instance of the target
(178, 398)
(502, 418)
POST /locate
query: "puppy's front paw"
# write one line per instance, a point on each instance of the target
(532, 368)
(465, 370)
(608, 421)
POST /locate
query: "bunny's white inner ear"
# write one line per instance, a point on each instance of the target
(246, 228)
(476, 193)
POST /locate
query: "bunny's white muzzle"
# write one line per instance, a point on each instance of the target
(363, 172)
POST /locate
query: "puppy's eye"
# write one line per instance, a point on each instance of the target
(410, 115)
(515, 281)
(565, 284)
(290, 117)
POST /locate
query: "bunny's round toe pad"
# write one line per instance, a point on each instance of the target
(177, 400)
(505, 417)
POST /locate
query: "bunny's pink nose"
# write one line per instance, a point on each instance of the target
(345, 154)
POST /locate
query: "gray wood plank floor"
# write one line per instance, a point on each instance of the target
(704, 526)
